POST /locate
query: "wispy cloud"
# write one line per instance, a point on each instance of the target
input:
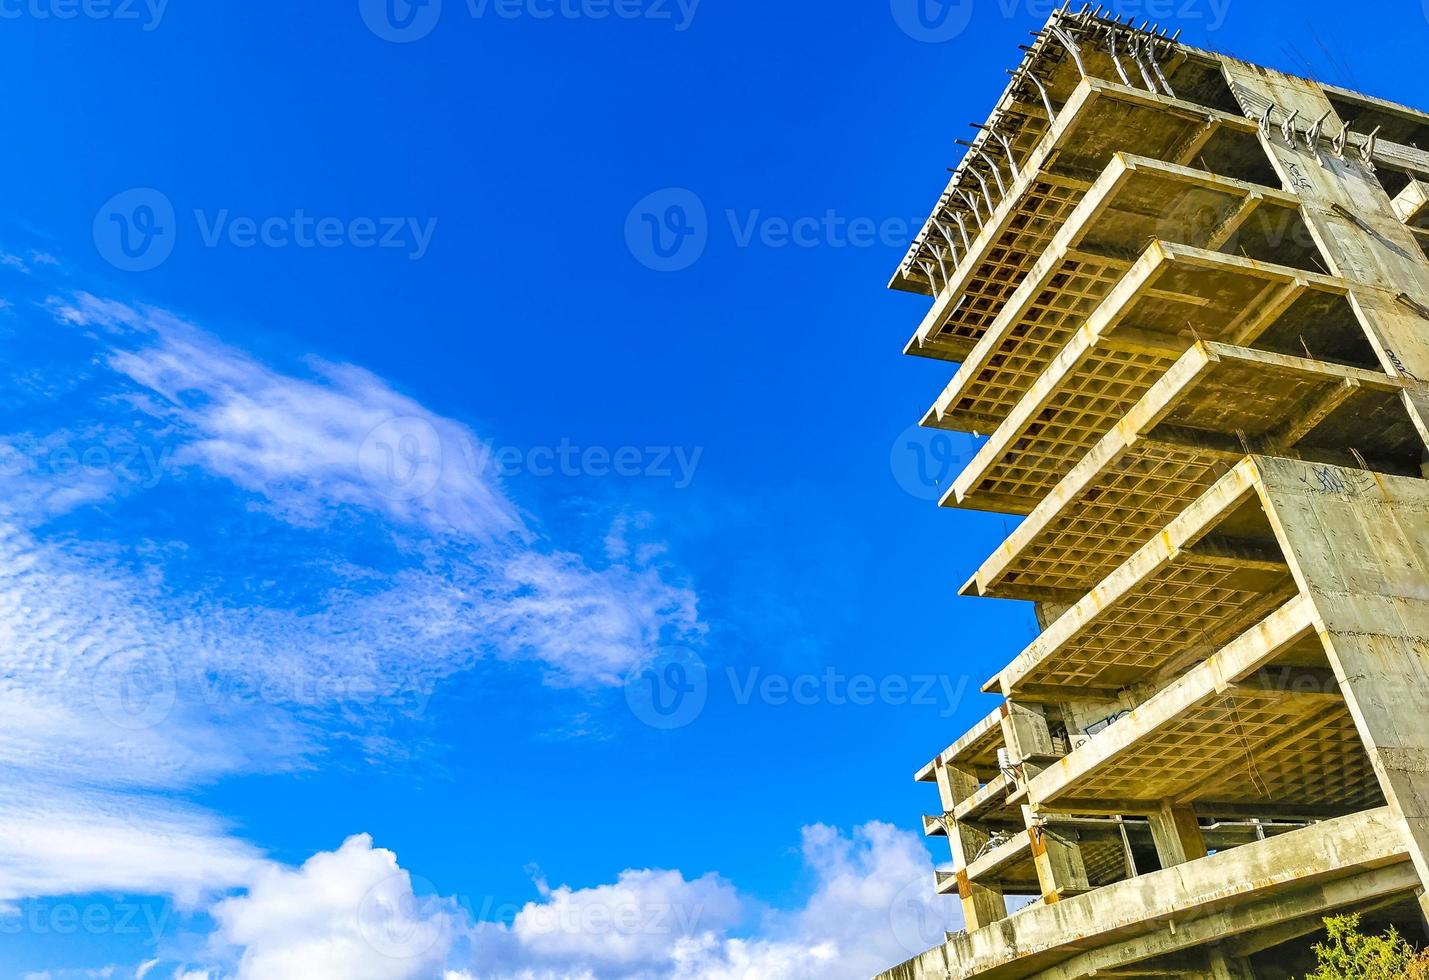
(393, 559)
(304, 445)
(61, 841)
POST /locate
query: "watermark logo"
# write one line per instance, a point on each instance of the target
(135, 229)
(1209, 219)
(135, 692)
(406, 457)
(918, 920)
(301, 230)
(933, 21)
(676, 464)
(399, 923)
(924, 461)
(402, 458)
(400, 21)
(670, 691)
(1194, 217)
(142, 465)
(668, 229)
(680, 13)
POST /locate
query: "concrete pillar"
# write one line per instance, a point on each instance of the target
(1049, 612)
(1363, 560)
(1225, 967)
(982, 904)
(955, 785)
(1028, 738)
(1057, 856)
(1353, 220)
(1177, 835)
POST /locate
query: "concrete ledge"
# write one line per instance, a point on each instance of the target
(1359, 857)
(1150, 124)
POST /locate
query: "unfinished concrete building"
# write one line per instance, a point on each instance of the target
(1188, 300)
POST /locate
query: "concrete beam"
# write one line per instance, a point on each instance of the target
(1097, 218)
(1183, 532)
(969, 750)
(1242, 658)
(1142, 120)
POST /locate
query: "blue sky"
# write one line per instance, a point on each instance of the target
(386, 406)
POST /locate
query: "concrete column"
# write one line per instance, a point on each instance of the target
(955, 785)
(1362, 557)
(1353, 220)
(1057, 856)
(1225, 967)
(982, 904)
(1049, 612)
(1028, 738)
(1177, 835)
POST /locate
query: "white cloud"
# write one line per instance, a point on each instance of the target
(355, 913)
(349, 913)
(872, 906)
(117, 682)
(342, 443)
(61, 842)
(625, 927)
(339, 438)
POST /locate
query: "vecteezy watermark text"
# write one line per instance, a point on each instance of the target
(406, 458)
(141, 464)
(149, 13)
(671, 689)
(44, 917)
(674, 463)
(137, 690)
(403, 916)
(300, 230)
(680, 13)
(835, 688)
(405, 21)
(136, 230)
(669, 229)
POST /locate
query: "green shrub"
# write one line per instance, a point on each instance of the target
(1348, 954)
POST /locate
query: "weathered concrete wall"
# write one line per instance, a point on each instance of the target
(1358, 544)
